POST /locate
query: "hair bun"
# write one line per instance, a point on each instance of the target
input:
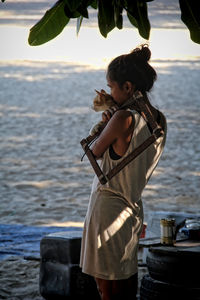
(133, 67)
(142, 53)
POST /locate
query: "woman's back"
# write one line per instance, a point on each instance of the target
(130, 181)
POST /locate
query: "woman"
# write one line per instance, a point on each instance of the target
(115, 214)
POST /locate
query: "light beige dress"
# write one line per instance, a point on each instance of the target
(114, 217)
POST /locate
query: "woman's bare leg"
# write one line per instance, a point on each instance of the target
(118, 289)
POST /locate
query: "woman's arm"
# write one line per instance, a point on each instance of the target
(118, 127)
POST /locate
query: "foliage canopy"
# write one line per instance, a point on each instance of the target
(110, 15)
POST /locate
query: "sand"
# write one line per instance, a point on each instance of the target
(44, 181)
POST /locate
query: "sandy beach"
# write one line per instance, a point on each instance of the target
(45, 110)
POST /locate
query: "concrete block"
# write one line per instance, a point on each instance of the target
(60, 274)
(63, 247)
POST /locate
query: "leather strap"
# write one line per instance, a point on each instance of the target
(134, 154)
(91, 157)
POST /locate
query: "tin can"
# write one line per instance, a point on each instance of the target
(167, 227)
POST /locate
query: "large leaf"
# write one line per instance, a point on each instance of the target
(138, 16)
(71, 14)
(132, 20)
(83, 11)
(190, 15)
(75, 9)
(106, 20)
(73, 4)
(49, 26)
(93, 4)
(118, 9)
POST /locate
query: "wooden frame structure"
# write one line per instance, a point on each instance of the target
(138, 103)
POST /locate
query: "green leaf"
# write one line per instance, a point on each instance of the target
(72, 4)
(106, 20)
(77, 11)
(118, 9)
(132, 20)
(52, 23)
(69, 13)
(93, 4)
(83, 11)
(78, 24)
(138, 16)
(190, 15)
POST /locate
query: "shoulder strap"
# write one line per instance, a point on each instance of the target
(92, 160)
(134, 154)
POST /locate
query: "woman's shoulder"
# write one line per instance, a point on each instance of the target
(123, 114)
(120, 122)
(123, 117)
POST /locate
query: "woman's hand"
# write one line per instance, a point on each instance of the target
(108, 113)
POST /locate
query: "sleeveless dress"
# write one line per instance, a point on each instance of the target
(114, 218)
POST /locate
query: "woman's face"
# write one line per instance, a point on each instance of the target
(120, 94)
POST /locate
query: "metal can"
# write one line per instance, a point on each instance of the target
(167, 227)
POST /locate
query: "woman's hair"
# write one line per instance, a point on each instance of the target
(133, 67)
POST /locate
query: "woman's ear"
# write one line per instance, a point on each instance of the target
(129, 87)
